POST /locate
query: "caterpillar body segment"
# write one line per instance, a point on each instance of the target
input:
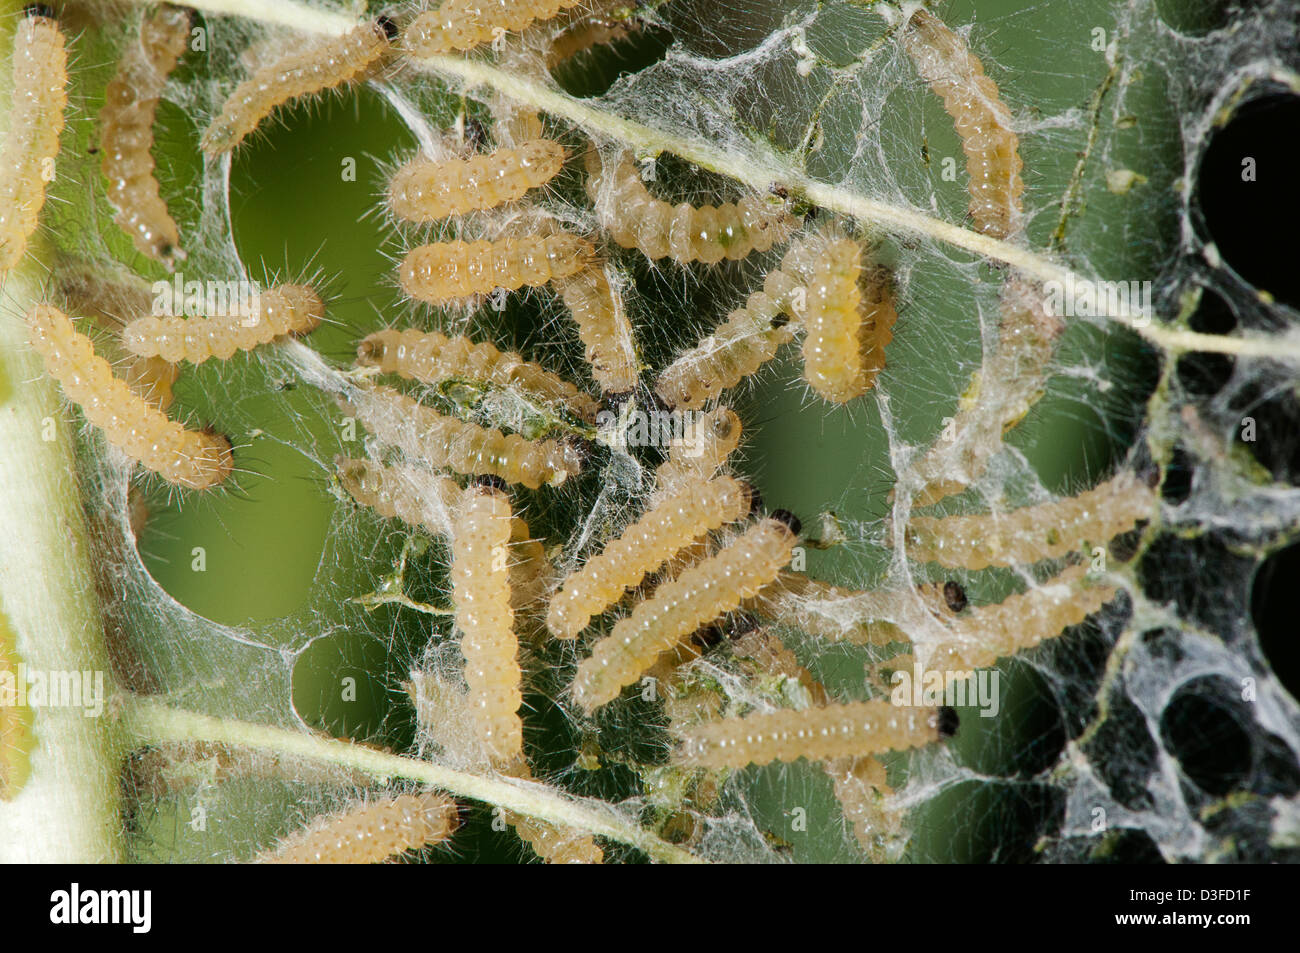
(188, 458)
(711, 439)
(449, 271)
(425, 190)
(370, 833)
(1011, 380)
(1033, 533)
(668, 527)
(31, 146)
(848, 730)
(466, 448)
(480, 577)
(983, 122)
(530, 569)
(416, 497)
(603, 328)
(322, 65)
(555, 845)
(279, 312)
(678, 608)
(459, 25)
(982, 635)
(126, 133)
(636, 219)
(432, 358)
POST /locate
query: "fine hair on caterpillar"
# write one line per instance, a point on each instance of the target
(372, 832)
(426, 190)
(459, 25)
(126, 133)
(449, 271)
(31, 145)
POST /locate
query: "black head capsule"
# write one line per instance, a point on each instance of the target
(39, 10)
(490, 481)
(949, 721)
(388, 27)
(614, 401)
(789, 519)
(755, 500)
(954, 595)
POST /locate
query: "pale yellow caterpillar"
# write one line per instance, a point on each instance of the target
(983, 121)
(603, 328)
(1032, 533)
(851, 729)
(425, 190)
(985, 634)
(678, 519)
(369, 833)
(323, 64)
(400, 491)
(184, 457)
(586, 35)
(126, 133)
(480, 578)
(636, 219)
(530, 569)
(279, 312)
(16, 739)
(466, 448)
(433, 358)
(465, 24)
(447, 271)
(556, 846)
(40, 78)
(709, 441)
(1011, 380)
(737, 348)
(697, 597)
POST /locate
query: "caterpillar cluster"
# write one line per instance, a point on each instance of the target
(698, 596)
(983, 122)
(425, 190)
(848, 730)
(126, 133)
(187, 458)
(636, 219)
(432, 358)
(40, 79)
(448, 271)
(1032, 533)
(279, 312)
(603, 328)
(459, 25)
(322, 65)
(465, 448)
(480, 578)
(676, 520)
(370, 833)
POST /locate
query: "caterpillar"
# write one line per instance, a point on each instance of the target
(985, 634)
(748, 338)
(698, 596)
(183, 457)
(1000, 394)
(40, 79)
(685, 515)
(983, 122)
(432, 358)
(16, 739)
(464, 24)
(710, 233)
(711, 439)
(851, 729)
(401, 491)
(1032, 533)
(603, 328)
(369, 833)
(446, 271)
(278, 312)
(530, 569)
(586, 35)
(126, 133)
(466, 448)
(424, 190)
(322, 65)
(556, 846)
(480, 578)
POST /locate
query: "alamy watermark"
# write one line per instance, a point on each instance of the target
(208, 299)
(1085, 298)
(35, 688)
(979, 689)
(656, 428)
